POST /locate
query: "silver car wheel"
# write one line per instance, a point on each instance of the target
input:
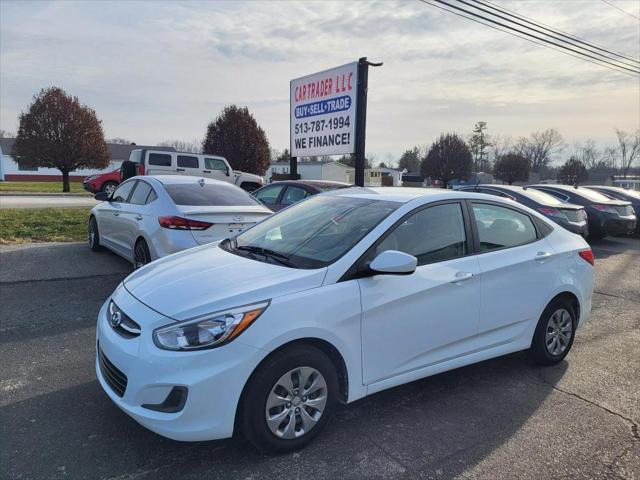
(296, 402)
(109, 189)
(559, 332)
(92, 235)
(140, 258)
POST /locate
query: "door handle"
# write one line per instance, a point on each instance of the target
(542, 257)
(179, 169)
(206, 171)
(461, 277)
(138, 217)
(115, 214)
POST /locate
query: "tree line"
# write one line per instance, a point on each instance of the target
(57, 131)
(453, 157)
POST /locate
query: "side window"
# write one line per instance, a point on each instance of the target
(557, 194)
(140, 194)
(160, 159)
(433, 234)
(293, 195)
(187, 161)
(500, 227)
(269, 195)
(151, 197)
(121, 194)
(215, 164)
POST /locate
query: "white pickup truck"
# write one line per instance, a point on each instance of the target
(158, 162)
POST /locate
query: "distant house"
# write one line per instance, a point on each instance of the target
(12, 170)
(334, 171)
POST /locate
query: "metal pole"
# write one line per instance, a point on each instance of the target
(361, 117)
(293, 168)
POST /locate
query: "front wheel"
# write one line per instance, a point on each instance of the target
(93, 237)
(109, 187)
(555, 332)
(289, 399)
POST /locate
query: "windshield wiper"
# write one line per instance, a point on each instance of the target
(266, 252)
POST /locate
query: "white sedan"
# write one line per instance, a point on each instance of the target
(147, 217)
(337, 297)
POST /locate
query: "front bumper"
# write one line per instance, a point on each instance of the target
(89, 187)
(214, 378)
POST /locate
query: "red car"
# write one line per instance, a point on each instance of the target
(103, 182)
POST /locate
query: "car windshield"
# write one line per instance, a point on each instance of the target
(313, 233)
(208, 194)
(541, 197)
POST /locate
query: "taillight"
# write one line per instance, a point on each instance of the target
(551, 211)
(140, 169)
(179, 223)
(587, 255)
(604, 208)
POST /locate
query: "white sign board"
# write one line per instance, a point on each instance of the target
(323, 112)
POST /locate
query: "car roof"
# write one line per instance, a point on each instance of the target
(559, 186)
(320, 183)
(181, 179)
(402, 194)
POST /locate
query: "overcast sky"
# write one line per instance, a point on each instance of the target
(162, 70)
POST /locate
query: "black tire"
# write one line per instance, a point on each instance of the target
(252, 421)
(93, 236)
(250, 186)
(141, 254)
(540, 351)
(109, 187)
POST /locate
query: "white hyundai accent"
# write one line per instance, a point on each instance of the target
(340, 296)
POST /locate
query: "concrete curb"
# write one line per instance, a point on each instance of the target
(42, 194)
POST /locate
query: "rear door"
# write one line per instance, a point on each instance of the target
(160, 164)
(188, 165)
(116, 221)
(518, 268)
(292, 194)
(216, 168)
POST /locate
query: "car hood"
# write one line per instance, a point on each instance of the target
(207, 279)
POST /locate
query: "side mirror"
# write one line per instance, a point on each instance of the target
(101, 196)
(394, 262)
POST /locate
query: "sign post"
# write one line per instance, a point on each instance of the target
(328, 114)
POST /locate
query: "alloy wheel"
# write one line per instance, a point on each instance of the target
(91, 237)
(109, 189)
(296, 402)
(559, 331)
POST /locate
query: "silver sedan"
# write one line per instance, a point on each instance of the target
(147, 217)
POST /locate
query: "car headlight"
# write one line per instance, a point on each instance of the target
(208, 331)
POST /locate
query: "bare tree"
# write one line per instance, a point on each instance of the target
(541, 148)
(120, 141)
(588, 154)
(500, 146)
(194, 146)
(629, 148)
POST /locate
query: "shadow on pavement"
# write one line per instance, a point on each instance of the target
(445, 423)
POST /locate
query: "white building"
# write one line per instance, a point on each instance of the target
(335, 172)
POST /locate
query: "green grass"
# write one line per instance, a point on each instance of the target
(28, 225)
(39, 187)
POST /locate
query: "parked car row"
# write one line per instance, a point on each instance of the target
(587, 211)
(160, 162)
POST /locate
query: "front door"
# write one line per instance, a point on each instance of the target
(414, 321)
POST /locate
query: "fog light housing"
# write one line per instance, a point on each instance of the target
(174, 402)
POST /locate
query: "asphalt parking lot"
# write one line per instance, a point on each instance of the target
(503, 418)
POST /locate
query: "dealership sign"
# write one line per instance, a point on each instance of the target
(323, 112)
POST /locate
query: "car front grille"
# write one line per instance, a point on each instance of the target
(624, 210)
(575, 215)
(114, 377)
(125, 326)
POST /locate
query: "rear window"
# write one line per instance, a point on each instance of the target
(592, 195)
(327, 188)
(187, 161)
(207, 194)
(160, 159)
(541, 197)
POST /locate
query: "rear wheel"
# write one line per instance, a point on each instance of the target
(289, 399)
(109, 187)
(555, 332)
(93, 237)
(141, 254)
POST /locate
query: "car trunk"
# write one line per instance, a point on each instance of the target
(227, 221)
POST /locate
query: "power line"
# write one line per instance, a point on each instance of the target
(525, 36)
(536, 37)
(618, 8)
(576, 37)
(555, 33)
